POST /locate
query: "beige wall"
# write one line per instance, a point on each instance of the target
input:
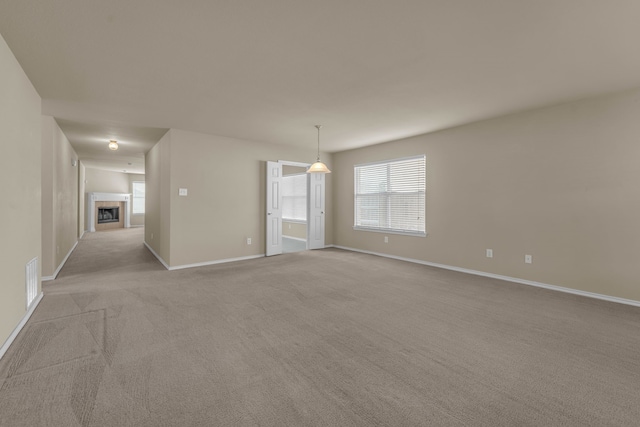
(59, 196)
(20, 122)
(294, 229)
(81, 197)
(157, 208)
(137, 220)
(292, 170)
(558, 183)
(103, 181)
(47, 259)
(226, 182)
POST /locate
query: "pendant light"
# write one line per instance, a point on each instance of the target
(318, 166)
(113, 145)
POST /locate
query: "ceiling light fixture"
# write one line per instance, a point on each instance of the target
(113, 145)
(318, 166)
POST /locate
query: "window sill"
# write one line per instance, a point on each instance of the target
(386, 231)
(294, 221)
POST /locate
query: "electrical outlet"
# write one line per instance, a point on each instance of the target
(489, 253)
(182, 192)
(386, 239)
(528, 259)
(248, 240)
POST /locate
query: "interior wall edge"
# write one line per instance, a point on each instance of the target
(158, 257)
(64, 261)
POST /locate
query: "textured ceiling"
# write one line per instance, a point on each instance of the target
(370, 71)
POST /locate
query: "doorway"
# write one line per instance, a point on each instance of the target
(294, 208)
(294, 216)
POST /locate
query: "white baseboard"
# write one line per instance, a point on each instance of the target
(200, 264)
(136, 226)
(500, 277)
(218, 261)
(55, 273)
(157, 256)
(18, 328)
(294, 238)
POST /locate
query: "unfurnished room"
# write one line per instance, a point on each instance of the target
(336, 213)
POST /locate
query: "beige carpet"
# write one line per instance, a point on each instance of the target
(318, 338)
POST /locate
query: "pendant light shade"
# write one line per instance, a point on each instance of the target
(113, 145)
(318, 166)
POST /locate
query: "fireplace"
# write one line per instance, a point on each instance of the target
(97, 204)
(108, 214)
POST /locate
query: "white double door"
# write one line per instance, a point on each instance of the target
(315, 209)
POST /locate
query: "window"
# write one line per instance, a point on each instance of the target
(138, 197)
(294, 197)
(390, 196)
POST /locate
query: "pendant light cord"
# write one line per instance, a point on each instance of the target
(318, 126)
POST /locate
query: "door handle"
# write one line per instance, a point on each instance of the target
(322, 213)
(268, 213)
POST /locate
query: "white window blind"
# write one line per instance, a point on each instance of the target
(390, 196)
(294, 197)
(138, 197)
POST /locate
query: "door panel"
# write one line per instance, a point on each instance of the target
(274, 209)
(315, 226)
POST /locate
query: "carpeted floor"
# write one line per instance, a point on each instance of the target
(314, 338)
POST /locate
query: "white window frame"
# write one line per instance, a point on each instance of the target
(387, 195)
(133, 197)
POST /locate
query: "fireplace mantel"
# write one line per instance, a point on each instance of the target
(92, 198)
